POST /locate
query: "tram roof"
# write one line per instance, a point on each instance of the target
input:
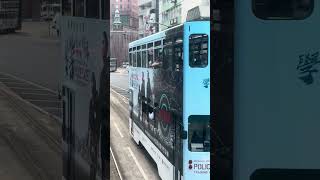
(152, 37)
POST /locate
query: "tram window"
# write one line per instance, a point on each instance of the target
(150, 45)
(283, 9)
(157, 58)
(199, 133)
(167, 55)
(198, 50)
(138, 59)
(178, 55)
(130, 59)
(150, 57)
(143, 46)
(157, 43)
(144, 59)
(134, 60)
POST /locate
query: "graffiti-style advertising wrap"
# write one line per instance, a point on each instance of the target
(85, 95)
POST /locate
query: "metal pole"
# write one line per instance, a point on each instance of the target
(157, 15)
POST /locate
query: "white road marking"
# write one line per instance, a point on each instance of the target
(39, 94)
(11, 82)
(22, 88)
(115, 162)
(136, 161)
(38, 100)
(125, 99)
(52, 108)
(118, 130)
(120, 88)
(29, 82)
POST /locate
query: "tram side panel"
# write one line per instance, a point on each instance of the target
(156, 96)
(84, 50)
(276, 89)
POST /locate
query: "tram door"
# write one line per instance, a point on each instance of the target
(68, 134)
(131, 111)
(178, 153)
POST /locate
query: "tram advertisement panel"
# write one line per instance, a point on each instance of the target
(157, 105)
(86, 71)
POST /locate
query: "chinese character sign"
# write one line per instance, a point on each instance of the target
(308, 66)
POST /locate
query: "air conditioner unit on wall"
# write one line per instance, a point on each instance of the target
(173, 21)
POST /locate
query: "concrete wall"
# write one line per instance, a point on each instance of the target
(119, 41)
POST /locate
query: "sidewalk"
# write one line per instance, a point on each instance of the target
(39, 29)
(26, 151)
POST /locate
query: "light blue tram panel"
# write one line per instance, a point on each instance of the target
(277, 85)
(196, 100)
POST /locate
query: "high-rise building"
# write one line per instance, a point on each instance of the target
(174, 12)
(147, 17)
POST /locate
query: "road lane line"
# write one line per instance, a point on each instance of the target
(126, 90)
(43, 100)
(136, 161)
(11, 82)
(22, 88)
(39, 94)
(29, 82)
(52, 108)
(125, 99)
(115, 162)
(118, 130)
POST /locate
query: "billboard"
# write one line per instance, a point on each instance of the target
(85, 50)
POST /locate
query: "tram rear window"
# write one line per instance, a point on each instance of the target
(282, 9)
(199, 133)
(198, 50)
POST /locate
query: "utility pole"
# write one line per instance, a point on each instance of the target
(157, 15)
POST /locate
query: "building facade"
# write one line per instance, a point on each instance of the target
(128, 10)
(119, 41)
(31, 9)
(147, 17)
(97, 9)
(174, 12)
(124, 28)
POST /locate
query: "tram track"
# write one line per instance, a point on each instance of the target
(24, 155)
(41, 98)
(41, 130)
(116, 164)
(29, 140)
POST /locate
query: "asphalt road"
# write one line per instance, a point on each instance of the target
(119, 80)
(134, 161)
(32, 55)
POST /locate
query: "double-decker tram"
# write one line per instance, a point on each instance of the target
(169, 85)
(10, 15)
